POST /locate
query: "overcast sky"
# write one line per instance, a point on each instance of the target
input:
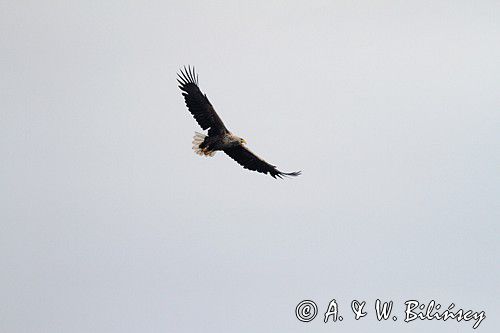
(110, 223)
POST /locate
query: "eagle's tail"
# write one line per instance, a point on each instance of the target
(198, 139)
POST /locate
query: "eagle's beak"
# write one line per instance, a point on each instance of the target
(243, 141)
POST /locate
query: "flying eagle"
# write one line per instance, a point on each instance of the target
(219, 137)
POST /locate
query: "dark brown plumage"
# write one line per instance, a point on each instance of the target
(250, 161)
(219, 137)
(198, 103)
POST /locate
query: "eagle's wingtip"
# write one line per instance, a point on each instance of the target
(187, 75)
(287, 174)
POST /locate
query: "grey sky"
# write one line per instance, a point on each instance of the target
(110, 223)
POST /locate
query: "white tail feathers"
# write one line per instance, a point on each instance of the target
(198, 139)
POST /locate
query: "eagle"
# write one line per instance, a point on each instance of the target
(219, 137)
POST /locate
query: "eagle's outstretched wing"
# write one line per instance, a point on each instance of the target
(250, 161)
(198, 103)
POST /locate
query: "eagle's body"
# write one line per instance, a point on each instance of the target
(220, 142)
(219, 138)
